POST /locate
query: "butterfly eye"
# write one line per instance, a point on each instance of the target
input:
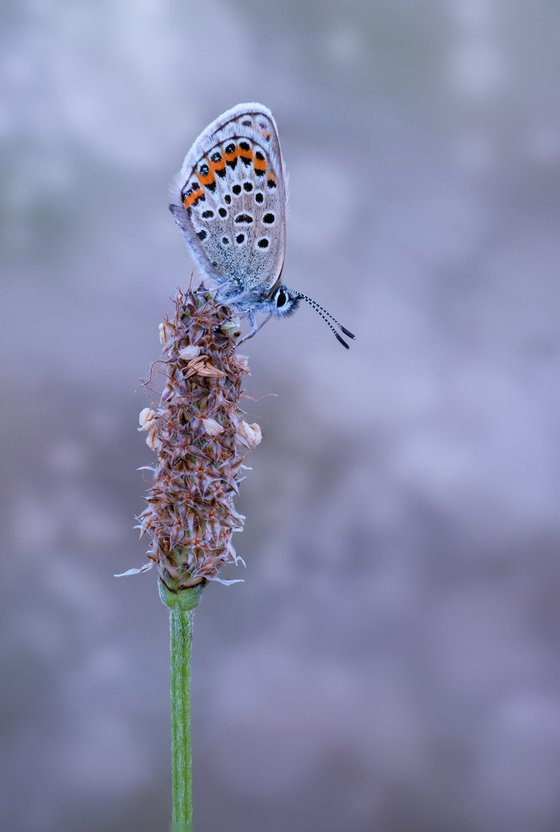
(281, 299)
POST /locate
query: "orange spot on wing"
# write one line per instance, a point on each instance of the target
(229, 157)
(260, 164)
(208, 178)
(245, 154)
(188, 200)
(217, 166)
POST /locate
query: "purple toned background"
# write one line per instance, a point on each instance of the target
(392, 660)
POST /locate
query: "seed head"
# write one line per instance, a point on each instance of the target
(200, 439)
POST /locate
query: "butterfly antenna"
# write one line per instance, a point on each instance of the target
(325, 316)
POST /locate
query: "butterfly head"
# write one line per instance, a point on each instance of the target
(284, 301)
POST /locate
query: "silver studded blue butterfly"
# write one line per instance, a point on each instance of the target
(229, 200)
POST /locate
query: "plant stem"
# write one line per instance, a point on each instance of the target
(181, 615)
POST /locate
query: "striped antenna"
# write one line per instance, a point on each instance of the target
(325, 316)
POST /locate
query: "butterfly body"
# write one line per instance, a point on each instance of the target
(229, 200)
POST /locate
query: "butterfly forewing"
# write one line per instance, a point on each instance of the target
(231, 201)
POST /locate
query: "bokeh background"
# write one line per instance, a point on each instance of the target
(392, 660)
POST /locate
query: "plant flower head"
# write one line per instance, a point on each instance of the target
(200, 439)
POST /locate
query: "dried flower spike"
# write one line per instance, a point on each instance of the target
(200, 438)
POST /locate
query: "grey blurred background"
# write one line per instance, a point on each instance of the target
(391, 661)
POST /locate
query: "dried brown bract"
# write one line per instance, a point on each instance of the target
(200, 439)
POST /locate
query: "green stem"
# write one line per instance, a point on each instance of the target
(181, 614)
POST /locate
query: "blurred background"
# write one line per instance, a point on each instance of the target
(391, 661)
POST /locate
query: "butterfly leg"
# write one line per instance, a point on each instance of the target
(254, 327)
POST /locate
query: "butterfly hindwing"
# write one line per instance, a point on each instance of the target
(231, 199)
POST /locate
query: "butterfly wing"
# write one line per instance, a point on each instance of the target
(230, 199)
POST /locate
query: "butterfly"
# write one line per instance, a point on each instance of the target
(229, 200)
